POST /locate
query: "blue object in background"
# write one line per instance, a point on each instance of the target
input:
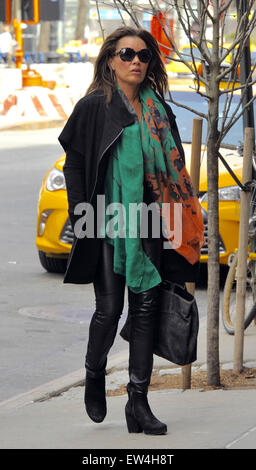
(79, 58)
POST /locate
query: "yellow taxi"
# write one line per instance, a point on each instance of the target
(176, 67)
(227, 46)
(54, 232)
(192, 55)
(229, 204)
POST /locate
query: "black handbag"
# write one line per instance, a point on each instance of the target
(177, 325)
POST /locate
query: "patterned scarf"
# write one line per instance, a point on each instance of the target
(147, 155)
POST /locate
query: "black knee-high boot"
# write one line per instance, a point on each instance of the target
(143, 310)
(101, 338)
(95, 397)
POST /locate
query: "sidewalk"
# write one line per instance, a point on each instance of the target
(24, 123)
(196, 419)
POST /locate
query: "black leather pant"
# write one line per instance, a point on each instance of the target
(109, 292)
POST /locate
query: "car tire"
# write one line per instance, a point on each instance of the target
(52, 265)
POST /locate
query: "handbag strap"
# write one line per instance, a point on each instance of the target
(177, 289)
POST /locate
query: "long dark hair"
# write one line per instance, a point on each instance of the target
(103, 76)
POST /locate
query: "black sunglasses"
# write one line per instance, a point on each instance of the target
(127, 54)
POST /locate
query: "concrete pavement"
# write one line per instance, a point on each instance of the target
(53, 416)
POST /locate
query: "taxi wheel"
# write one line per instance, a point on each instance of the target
(52, 265)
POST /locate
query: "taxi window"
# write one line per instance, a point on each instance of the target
(186, 54)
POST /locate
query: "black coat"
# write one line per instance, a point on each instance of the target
(87, 137)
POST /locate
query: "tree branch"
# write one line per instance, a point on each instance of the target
(119, 11)
(202, 115)
(225, 6)
(99, 21)
(163, 27)
(235, 119)
(129, 11)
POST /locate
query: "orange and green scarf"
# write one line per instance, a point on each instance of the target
(146, 154)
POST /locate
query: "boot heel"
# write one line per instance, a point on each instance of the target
(139, 416)
(132, 424)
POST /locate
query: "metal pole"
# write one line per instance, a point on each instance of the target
(16, 21)
(53, 57)
(16, 9)
(245, 68)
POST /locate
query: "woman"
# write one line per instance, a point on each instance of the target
(121, 141)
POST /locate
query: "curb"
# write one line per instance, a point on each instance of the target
(57, 386)
(33, 125)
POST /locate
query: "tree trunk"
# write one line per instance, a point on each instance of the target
(82, 18)
(44, 37)
(213, 373)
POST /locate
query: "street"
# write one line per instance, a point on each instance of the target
(44, 323)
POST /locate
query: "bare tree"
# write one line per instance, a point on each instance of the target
(210, 18)
(82, 18)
